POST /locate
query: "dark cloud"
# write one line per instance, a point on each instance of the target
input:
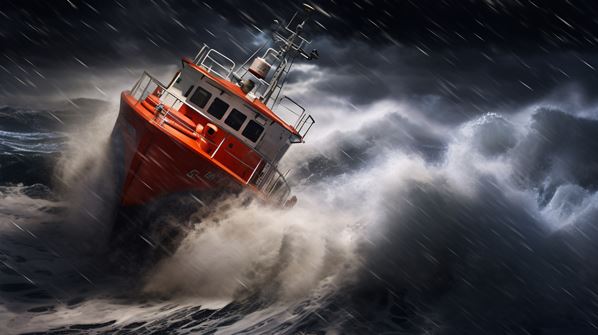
(463, 57)
(29, 25)
(467, 80)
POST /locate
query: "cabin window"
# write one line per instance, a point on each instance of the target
(200, 97)
(235, 119)
(253, 131)
(188, 91)
(218, 108)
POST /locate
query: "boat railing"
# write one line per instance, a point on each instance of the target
(273, 183)
(214, 62)
(294, 114)
(264, 176)
(201, 53)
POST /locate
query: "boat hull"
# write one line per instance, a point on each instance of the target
(154, 162)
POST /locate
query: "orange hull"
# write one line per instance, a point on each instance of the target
(212, 128)
(159, 160)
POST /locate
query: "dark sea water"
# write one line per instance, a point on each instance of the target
(487, 227)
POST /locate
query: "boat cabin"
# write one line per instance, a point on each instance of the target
(229, 116)
(229, 109)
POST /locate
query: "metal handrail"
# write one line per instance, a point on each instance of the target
(303, 124)
(303, 121)
(266, 183)
(228, 70)
(200, 53)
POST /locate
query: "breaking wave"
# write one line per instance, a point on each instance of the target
(406, 227)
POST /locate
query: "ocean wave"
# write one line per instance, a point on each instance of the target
(392, 233)
(32, 142)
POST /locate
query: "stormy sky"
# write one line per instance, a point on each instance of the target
(464, 57)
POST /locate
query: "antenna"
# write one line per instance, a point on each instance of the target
(291, 48)
(290, 43)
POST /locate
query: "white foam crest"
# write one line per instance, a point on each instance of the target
(570, 204)
(86, 146)
(257, 249)
(17, 206)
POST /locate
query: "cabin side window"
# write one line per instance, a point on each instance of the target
(235, 119)
(252, 131)
(218, 108)
(200, 97)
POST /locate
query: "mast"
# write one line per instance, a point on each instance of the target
(288, 52)
(283, 57)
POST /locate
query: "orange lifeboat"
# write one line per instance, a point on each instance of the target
(214, 126)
